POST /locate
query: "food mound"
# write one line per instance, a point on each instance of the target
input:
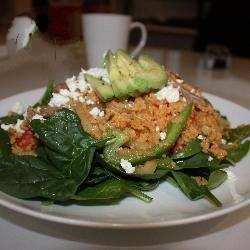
(116, 131)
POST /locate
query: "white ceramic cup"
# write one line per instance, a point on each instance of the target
(102, 32)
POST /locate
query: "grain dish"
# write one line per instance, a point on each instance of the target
(118, 131)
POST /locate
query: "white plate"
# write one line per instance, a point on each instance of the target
(169, 207)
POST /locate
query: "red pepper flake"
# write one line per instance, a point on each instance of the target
(27, 140)
(193, 117)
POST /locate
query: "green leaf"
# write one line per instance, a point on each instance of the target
(196, 161)
(63, 163)
(191, 149)
(239, 133)
(188, 185)
(209, 196)
(30, 177)
(216, 178)
(68, 146)
(47, 95)
(108, 192)
(235, 155)
(97, 175)
(4, 143)
(10, 119)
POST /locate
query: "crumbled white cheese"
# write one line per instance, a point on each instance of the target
(71, 83)
(163, 136)
(17, 108)
(223, 141)
(170, 93)
(192, 90)
(157, 129)
(81, 99)
(178, 80)
(38, 117)
(130, 105)
(78, 83)
(74, 95)
(210, 158)
(99, 73)
(200, 137)
(16, 126)
(90, 102)
(96, 112)
(127, 166)
(101, 114)
(82, 83)
(58, 100)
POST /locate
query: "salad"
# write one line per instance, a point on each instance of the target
(117, 131)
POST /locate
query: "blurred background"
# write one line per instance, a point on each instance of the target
(207, 42)
(177, 24)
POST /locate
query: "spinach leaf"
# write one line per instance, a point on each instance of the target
(30, 177)
(192, 148)
(216, 178)
(67, 145)
(200, 160)
(4, 143)
(196, 161)
(47, 95)
(97, 175)
(10, 119)
(63, 163)
(109, 192)
(239, 133)
(145, 185)
(235, 155)
(192, 190)
(188, 185)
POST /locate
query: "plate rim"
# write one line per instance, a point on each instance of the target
(7, 203)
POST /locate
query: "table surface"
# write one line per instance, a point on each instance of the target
(31, 69)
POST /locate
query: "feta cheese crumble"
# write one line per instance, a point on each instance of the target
(16, 126)
(127, 166)
(210, 158)
(90, 102)
(58, 100)
(17, 108)
(96, 112)
(38, 117)
(163, 136)
(200, 137)
(169, 93)
(223, 141)
(178, 80)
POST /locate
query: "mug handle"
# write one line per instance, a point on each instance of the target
(143, 39)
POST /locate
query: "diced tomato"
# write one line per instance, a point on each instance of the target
(27, 139)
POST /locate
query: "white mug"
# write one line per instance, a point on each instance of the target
(102, 32)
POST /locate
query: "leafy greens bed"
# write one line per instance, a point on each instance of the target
(71, 166)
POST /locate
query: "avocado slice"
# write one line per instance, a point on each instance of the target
(153, 72)
(129, 77)
(129, 68)
(104, 91)
(116, 77)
